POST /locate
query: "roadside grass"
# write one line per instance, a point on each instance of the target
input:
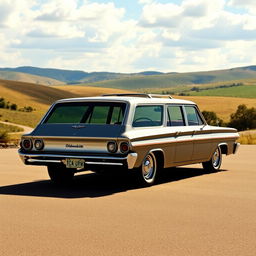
(247, 137)
(24, 118)
(10, 128)
(8, 134)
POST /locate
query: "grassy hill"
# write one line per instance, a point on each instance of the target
(38, 97)
(28, 78)
(146, 81)
(176, 80)
(87, 91)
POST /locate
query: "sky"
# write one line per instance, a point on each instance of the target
(127, 35)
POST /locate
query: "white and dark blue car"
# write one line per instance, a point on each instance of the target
(140, 132)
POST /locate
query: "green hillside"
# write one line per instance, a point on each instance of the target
(149, 83)
(242, 91)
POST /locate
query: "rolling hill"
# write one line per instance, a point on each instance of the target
(39, 97)
(149, 80)
(174, 80)
(28, 78)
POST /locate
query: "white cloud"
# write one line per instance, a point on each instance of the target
(90, 35)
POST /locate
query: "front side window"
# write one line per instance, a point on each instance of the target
(148, 116)
(175, 116)
(87, 113)
(193, 116)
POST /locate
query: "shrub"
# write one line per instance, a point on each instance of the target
(244, 118)
(13, 107)
(212, 118)
(2, 103)
(4, 137)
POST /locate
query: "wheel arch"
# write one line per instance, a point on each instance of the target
(223, 148)
(160, 156)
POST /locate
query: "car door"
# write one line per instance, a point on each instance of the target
(182, 134)
(203, 144)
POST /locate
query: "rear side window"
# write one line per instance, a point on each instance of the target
(193, 116)
(148, 116)
(87, 112)
(175, 116)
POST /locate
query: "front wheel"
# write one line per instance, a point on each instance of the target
(148, 170)
(60, 175)
(215, 162)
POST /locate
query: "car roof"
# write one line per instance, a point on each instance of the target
(130, 99)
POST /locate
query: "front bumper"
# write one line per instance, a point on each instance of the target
(90, 160)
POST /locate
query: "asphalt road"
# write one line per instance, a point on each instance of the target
(188, 213)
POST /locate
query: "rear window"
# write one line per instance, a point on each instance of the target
(87, 112)
(148, 116)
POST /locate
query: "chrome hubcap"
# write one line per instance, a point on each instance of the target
(216, 158)
(148, 168)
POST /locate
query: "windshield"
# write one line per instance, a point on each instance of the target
(87, 113)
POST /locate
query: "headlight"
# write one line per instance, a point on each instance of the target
(112, 147)
(39, 144)
(124, 147)
(26, 144)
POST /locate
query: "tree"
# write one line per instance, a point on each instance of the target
(244, 118)
(212, 118)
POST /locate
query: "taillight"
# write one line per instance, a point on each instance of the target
(112, 147)
(39, 144)
(124, 147)
(26, 144)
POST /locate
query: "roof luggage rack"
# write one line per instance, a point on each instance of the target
(143, 95)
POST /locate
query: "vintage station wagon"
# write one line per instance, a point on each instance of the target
(141, 132)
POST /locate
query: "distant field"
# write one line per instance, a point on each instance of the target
(86, 91)
(245, 91)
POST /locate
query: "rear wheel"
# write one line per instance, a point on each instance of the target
(148, 170)
(60, 175)
(215, 162)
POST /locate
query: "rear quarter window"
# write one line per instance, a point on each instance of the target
(146, 116)
(193, 116)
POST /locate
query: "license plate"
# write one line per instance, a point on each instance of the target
(74, 163)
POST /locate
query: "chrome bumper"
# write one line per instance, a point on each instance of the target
(46, 159)
(236, 146)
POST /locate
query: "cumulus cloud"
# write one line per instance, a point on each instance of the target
(91, 35)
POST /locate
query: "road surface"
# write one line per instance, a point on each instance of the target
(188, 213)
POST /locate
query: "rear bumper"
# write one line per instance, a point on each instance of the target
(236, 146)
(48, 159)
